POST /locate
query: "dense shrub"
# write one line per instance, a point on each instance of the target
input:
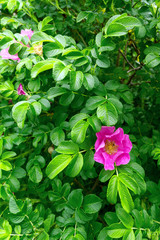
(79, 120)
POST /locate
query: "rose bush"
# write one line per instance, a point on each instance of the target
(79, 86)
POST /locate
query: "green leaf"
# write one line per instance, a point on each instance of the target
(11, 4)
(45, 104)
(124, 217)
(115, 30)
(76, 118)
(88, 81)
(43, 236)
(107, 45)
(35, 174)
(34, 85)
(75, 198)
(78, 132)
(152, 60)
(92, 203)
(81, 16)
(5, 40)
(57, 136)
(75, 165)
(1, 146)
(13, 206)
(125, 197)
(95, 123)
(5, 165)
(60, 71)
(72, 54)
(107, 113)
(129, 235)
(103, 61)
(8, 154)
(55, 91)
(103, 235)
(88, 160)
(105, 175)
(19, 112)
(14, 48)
(66, 99)
(129, 182)
(42, 66)
(57, 165)
(93, 102)
(76, 80)
(129, 22)
(112, 189)
(116, 230)
(52, 49)
(68, 147)
(41, 37)
(37, 107)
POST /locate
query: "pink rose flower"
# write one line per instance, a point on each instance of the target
(5, 55)
(112, 148)
(20, 90)
(27, 32)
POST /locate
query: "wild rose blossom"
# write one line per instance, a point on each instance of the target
(112, 148)
(4, 52)
(27, 32)
(20, 90)
(5, 55)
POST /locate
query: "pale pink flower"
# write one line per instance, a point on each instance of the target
(112, 148)
(27, 32)
(20, 90)
(5, 55)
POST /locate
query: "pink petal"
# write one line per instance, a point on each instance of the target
(20, 90)
(123, 159)
(127, 144)
(5, 55)
(98, 157)
(27, 32)
(105, 131)
(99, 144)
(109, 162)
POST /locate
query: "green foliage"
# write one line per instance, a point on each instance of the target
(88, 64)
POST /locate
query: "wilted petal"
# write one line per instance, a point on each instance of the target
(20, 90)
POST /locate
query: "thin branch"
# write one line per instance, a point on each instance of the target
(125, 53)
(126, 58)
(134, 69)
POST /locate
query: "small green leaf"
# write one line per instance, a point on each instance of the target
(57, 165)
(125, 197)
(14, 48)
(13, 206)
(129, 182)
(105, 175)
(103, 61)
(35, 174)
(93, 102)
(92, 203)
(76, 80)
(42, 66)
(112, 190)
(55, 91)
(52, 49)
(57, 136)
(5, 165)
(75, 165)
(115, 30)
(116, 230)
(88, 81)
(78, 132)
(125, 217)
(19, 112)
(75, 198)
(107, 113)
(60, 71)
(68, 147)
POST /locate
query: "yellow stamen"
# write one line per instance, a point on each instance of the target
(110, 147)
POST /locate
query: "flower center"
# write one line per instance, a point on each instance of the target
(110, 147)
